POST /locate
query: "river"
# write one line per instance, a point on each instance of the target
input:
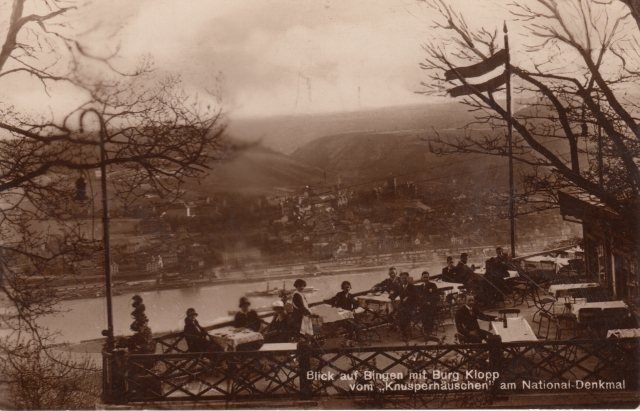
(81, 320)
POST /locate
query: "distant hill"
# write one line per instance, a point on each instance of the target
(366, 157)
(288, 133)
(256, 169)
(363, 147)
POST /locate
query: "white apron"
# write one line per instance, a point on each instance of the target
(305, 328)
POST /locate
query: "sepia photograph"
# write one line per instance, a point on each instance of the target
(328, 204)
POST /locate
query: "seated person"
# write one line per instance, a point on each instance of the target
(197, 338)
(467, 318)
(388, 284)
(278, 330)
(449, 273)
(408, 296)
(464, 273)
(247, 318)
(344, 299)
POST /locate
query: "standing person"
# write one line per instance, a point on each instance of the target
(197, 338)
(247, 318)
(429, 297)
(301, 316)
(407, 294)
(497, 269)
(463, 271)
(278, 330)
(388, 284)
(449, 272)
(467, 318)
(344, 299)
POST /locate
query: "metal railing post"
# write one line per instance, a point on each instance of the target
(304, 364)
(495, 352)
(107, 370)
(118, 380)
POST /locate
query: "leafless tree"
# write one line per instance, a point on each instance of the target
(156, 137)
(52, 381)
(573, 77)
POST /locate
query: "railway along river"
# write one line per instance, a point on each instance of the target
(84, 319)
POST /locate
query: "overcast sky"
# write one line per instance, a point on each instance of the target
(283, 57)
(276, 57)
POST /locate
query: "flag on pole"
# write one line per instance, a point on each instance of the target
(480, 69)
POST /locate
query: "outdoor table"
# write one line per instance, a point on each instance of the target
(279, 347)
(444, 284)
(378, 305)
(624, 333)
(518, 329)
(603, 305)
(483, 271)
(331, 314)
(229, 338)
(556, 289)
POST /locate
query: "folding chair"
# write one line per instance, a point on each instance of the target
(548, 320)
(543, 304)
(588, 320)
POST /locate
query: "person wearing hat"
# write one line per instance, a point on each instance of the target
(344, 299)
(278, 330)
(247, 318)
(197, 338)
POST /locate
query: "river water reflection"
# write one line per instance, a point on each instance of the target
(85, 319)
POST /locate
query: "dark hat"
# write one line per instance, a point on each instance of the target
(425, 272)
(345, 283)
(404, 274)
(243, 301)
(300, 283)
(191, 311)
(464, 255)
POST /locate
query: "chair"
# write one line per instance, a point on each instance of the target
(567, 316)
(442, 311)
(543, 304)
(588, 320)
(520, 290)
(548, 319)
(614, 318)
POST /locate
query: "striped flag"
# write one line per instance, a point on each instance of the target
(500, 58)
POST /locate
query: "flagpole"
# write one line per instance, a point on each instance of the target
(512, 217)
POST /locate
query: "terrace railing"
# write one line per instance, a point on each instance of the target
(315, 373)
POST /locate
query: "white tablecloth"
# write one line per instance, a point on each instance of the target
(230, 337)
(557, 288)
(386, 304)
(331, 314)
(518, 329)
(624, 333)
(443, 284)
(603, 305)
(279, 347)
(483, 270)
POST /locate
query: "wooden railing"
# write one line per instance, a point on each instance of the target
(316, 373)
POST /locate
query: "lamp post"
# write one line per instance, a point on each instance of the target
(105, 226)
